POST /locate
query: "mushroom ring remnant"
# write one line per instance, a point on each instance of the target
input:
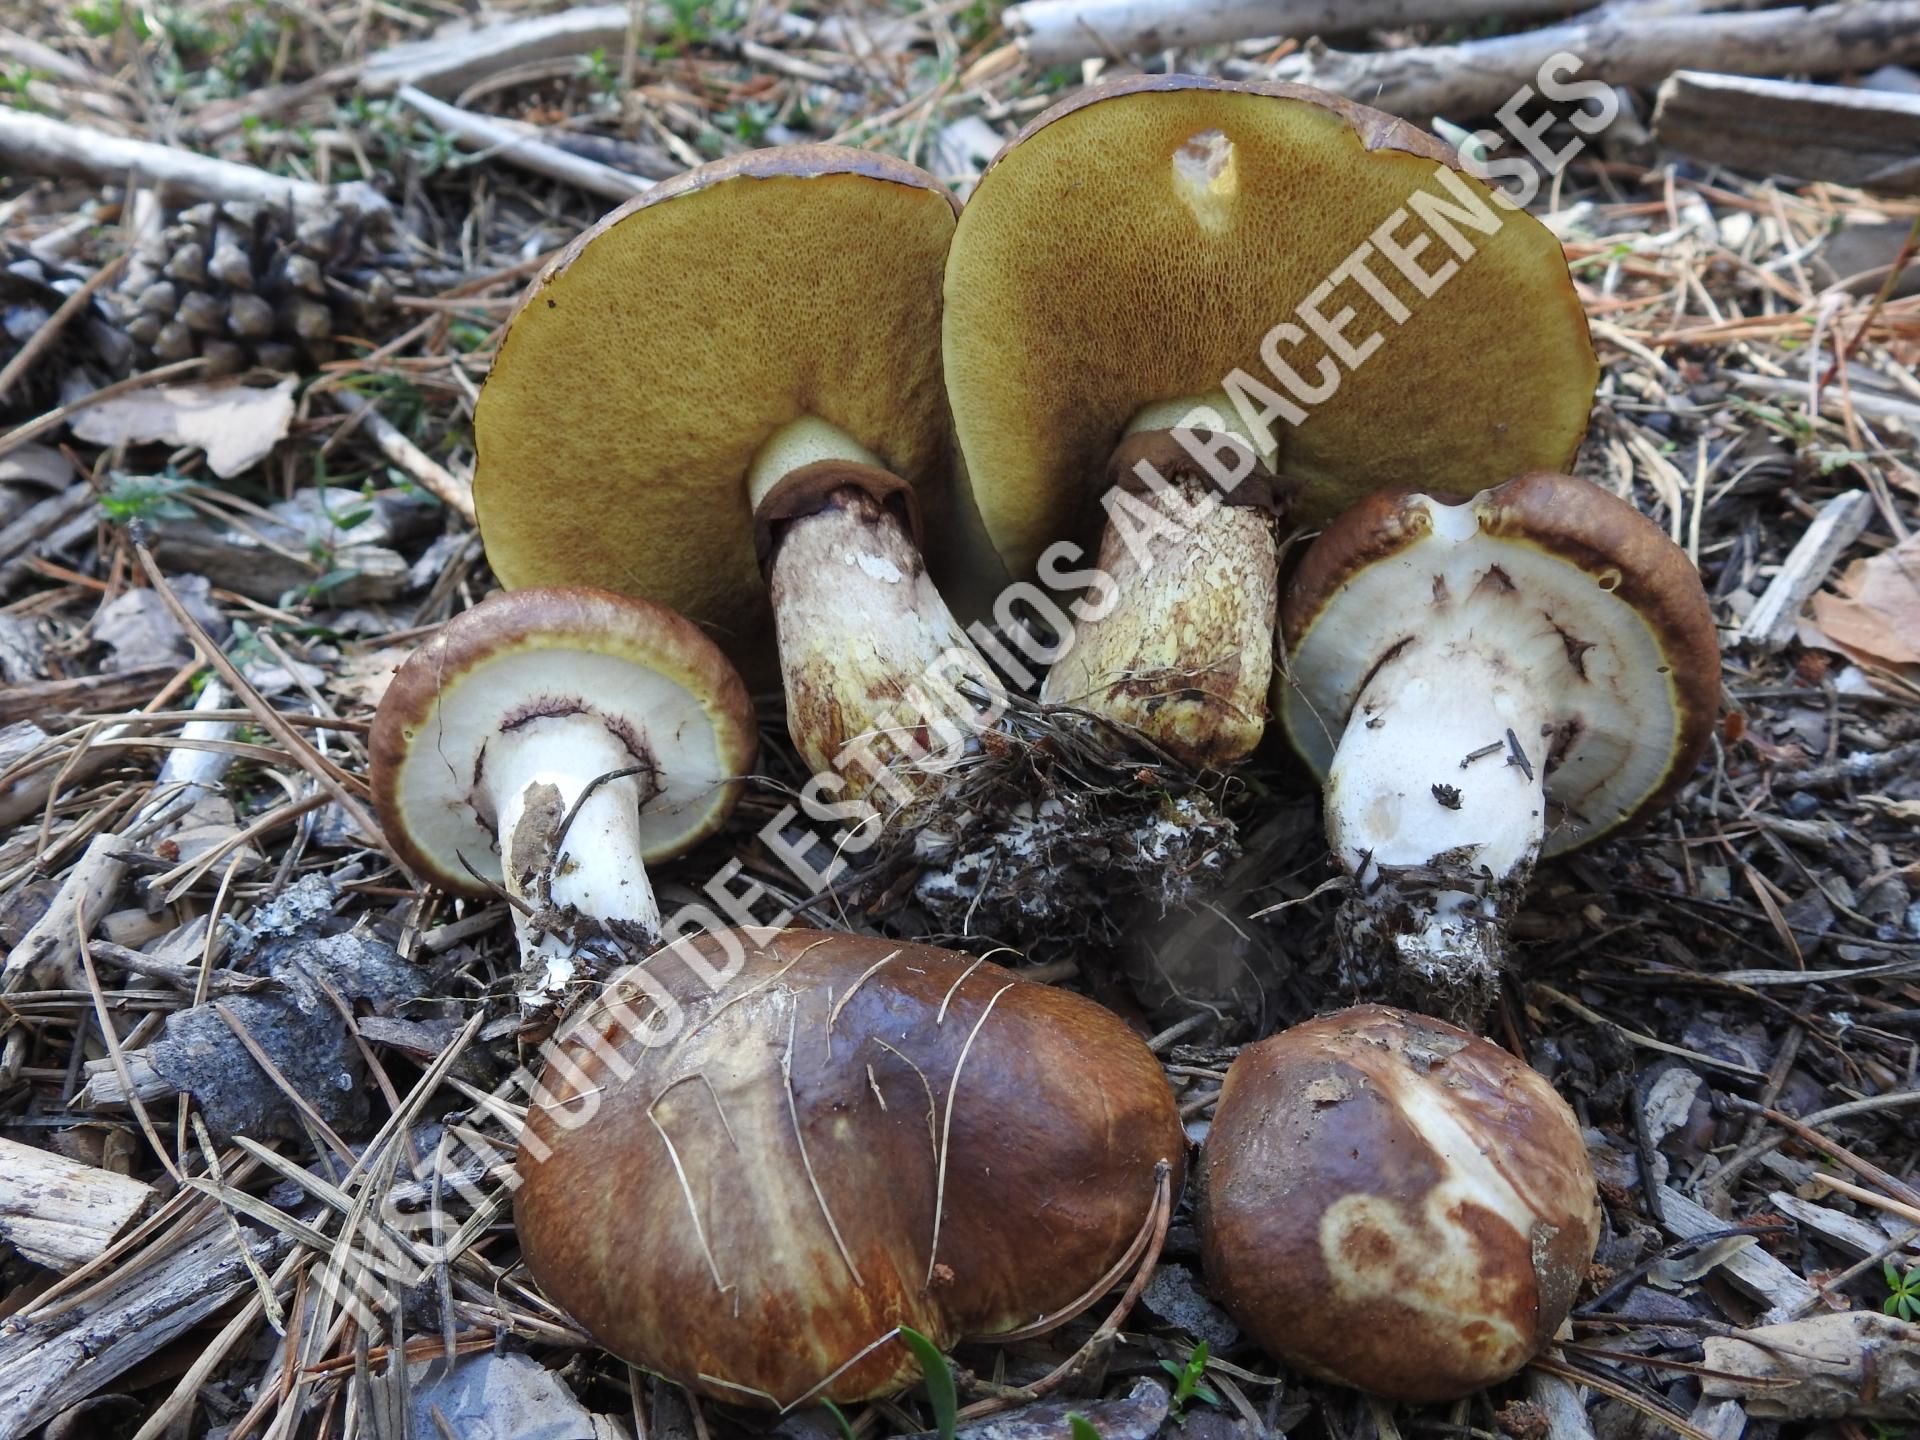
(761, 1152)
(1390, 1203)
(726, 396)
(552, 742)
(1308, 289)
(1482, 683)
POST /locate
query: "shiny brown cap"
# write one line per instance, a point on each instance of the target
(1113, 257)
(1390, 1203)
(654, 356)
(1609, 611)
(657, 683)
(846, 1135)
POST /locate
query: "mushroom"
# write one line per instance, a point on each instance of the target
(748, 1182)
(1390, 1203)
(1480, 683)
(553, 742)
(1179, 283)
(741, 369)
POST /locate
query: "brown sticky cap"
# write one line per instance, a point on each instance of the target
(1393, 1204)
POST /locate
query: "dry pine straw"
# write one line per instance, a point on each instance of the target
(1758, 938)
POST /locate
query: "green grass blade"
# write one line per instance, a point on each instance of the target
(940, 1391)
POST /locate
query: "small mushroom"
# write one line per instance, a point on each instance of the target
(738, 373)
(1206, 282)
(760, 1153)
(552, 742)
(1480, 683)
(1390, 1203)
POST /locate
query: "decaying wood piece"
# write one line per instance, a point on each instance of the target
(1869, 138)
(48, 1364)
(1784, 1293)
(58, 1212)
(45, 700)
(41, 145)
(1477, 77)
(1770, 624)
(1858, 1364)
(1563, 1404)
(104, 1089)
(1058, 32)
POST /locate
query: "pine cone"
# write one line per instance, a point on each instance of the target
(245, 284)
(90, 351)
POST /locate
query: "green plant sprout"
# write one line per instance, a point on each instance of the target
(1903, 1292)
(1189, 1381)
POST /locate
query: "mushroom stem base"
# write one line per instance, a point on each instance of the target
(592, 878)
(881, 682)
(1185, 653)
(1436, 808)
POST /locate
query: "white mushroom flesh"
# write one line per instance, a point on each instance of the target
(1475, 701)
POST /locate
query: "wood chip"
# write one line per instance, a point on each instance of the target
(58, 1212)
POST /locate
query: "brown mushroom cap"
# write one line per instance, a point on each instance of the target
(1393, 1204)
(1607, 612)
(660, 686)
(1084, 283)
(802, 1138)
(656, 354)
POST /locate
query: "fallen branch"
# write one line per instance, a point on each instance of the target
(1479, 76)
(453, 491)
(41, 145)
(1771, 622)
(458, 56)
(1869, 138)
(1059, 32)
(1856, 1364)
(524, 151)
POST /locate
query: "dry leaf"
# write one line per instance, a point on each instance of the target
(1877, 611)
(237, 425)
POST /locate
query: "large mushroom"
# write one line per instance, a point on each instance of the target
(1204, 289)
(553, 743)
(741, 369)
(1481, 683)
(1393, 1204)
(761, 1153)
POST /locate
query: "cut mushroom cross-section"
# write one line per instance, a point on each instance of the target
(1481, 683)
(552, 742)
(1347, 302)
(726, 396)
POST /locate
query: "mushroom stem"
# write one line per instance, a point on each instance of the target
(535, 774)
(1185, 653)
(1437, 807)
(873, 662)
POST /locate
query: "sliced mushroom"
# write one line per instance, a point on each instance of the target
(1129, 296)
(1390, 1203)
(762, 1152)
(552, 742)
(741, 369)
(1481, 683)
